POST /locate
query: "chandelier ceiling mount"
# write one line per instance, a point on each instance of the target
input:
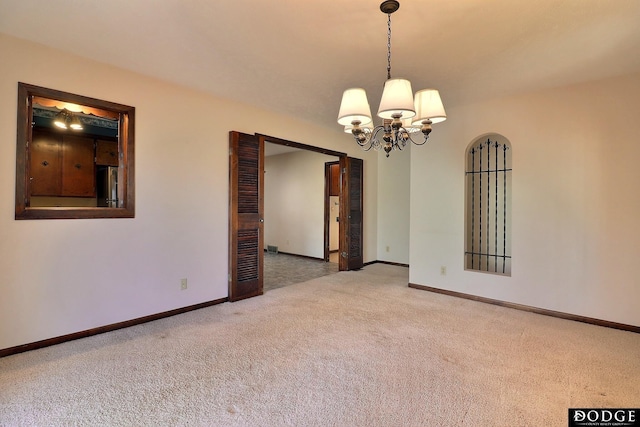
(389, 6)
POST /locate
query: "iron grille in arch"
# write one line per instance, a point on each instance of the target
(488, 187)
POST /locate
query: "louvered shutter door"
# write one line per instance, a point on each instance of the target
(246, 255)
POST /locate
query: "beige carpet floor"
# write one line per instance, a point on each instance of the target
(349, 349)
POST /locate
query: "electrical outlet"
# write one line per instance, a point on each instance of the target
(443, 270)
(183, 284)
(387, 248)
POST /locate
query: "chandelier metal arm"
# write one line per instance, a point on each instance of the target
(391, 135)
(424, 139)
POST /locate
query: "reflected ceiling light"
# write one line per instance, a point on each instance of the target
(61, 120)
(66, 119)
(75, 123)
(402, 114)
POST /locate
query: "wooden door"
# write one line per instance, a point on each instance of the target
(334, 173)
(246, 223)
(351, 207)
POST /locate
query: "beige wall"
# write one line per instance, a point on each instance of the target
(294, 202)
(394, 182)
(576, 204)
(63, 276)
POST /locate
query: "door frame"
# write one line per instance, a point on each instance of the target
(233, 214)
(328, 218)
(339, 155)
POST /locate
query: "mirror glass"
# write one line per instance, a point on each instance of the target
(74, 156)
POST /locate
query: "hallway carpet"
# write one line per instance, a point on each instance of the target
(349, 349)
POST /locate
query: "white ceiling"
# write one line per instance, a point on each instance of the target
(297, 56)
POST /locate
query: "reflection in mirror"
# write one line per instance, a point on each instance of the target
(74, 157)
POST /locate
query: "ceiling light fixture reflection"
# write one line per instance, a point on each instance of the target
(65, 119)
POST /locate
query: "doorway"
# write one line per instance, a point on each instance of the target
(246, 211)
(295, 216)
(295, 198)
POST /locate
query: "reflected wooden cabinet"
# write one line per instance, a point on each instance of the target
(46, 164)
(78, 167)
(62, 165)
(106, 153)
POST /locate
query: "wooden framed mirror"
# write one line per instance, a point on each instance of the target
(74, 157)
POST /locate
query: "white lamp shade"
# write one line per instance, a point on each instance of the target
(354, 106)
(429, 107)
(397, 98)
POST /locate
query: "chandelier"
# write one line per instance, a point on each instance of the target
(403, 116)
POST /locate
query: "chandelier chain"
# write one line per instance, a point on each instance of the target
(389, 46)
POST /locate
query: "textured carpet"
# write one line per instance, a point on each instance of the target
(349, 349)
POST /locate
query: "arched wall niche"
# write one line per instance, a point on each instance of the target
(488, 206)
